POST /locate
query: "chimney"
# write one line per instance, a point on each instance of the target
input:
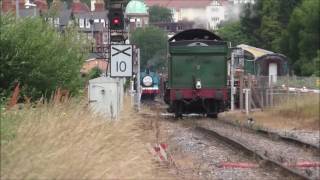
(42, 5)
(93, 2)
(99, 5)
(56, 4)
(6, 5)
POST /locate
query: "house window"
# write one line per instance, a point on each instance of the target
(87, 23)
(81, 23)
(214, 9)
(103, 22)
(56, 22)
(138, 24)
(50, 20)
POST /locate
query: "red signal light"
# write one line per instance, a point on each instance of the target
(116, 21)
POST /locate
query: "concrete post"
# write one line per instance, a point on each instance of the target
(247, 98)
(138, 81)
(232, 81)
(241, 91)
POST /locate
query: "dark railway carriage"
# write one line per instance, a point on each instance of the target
(197, 74)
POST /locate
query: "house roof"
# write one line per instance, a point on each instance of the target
(94, 15)
(179, 4)
(256, 52)
(78, 7)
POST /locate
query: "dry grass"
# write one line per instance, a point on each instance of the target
(67, 141)
(300, 113)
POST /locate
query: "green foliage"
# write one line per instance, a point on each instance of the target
(250, 22)
(290, 27)
(152, 42)
(9, 124)
(38, 57)
(159, 14)
(301, 40)
(232, 32)
(94, 73)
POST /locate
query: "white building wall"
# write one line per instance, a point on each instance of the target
(243, 1)
(211, 16)
(215, 13)
(208, 17)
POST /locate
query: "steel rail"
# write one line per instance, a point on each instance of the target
(250, 151)
(268, 133)
(289, 139)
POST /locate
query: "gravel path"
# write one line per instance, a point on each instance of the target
(277, 150)
(207, 154)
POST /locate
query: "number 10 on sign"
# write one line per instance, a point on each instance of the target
(121, 60)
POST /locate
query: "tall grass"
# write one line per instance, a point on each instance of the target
(297, 112)
(300, 107)
(67, 141)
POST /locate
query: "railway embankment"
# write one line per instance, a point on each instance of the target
(67, 141)
(296, 118)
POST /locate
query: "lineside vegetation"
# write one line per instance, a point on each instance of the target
(38, 57)
(68, 141)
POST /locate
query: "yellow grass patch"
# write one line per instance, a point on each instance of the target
(67, 141)
(301, 112)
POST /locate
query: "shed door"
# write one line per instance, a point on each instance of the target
(273, 72)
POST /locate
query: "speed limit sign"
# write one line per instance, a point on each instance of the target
(121, 60)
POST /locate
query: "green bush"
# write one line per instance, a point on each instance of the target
(41, 59)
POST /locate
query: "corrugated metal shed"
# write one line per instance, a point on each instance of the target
(256, 52)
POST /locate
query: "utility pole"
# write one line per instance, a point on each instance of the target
(17, 8)
(232, 81)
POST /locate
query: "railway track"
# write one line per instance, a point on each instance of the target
(286, 153)
(240, 146)
(275, 135)
(213, 159)
(274, 149)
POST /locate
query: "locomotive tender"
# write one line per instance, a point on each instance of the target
(197, 73)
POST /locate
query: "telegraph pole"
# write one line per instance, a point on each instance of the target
(232, 81)
(17, 8)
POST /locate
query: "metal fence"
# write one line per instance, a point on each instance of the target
(265, 91)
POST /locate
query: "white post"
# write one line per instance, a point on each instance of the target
(232, 81)
(138, 81)
(247, 93)
(17, 8)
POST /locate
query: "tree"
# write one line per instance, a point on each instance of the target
(94, 73)
(38, 57)
(250, 22)
(301, 40)
(152, 42)
(275, 17)
(232, 31)
(290, 27)
(159, 14)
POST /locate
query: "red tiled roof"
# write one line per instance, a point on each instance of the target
(77, 7)
(178, 4)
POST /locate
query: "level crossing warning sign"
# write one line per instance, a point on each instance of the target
(121, 60)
